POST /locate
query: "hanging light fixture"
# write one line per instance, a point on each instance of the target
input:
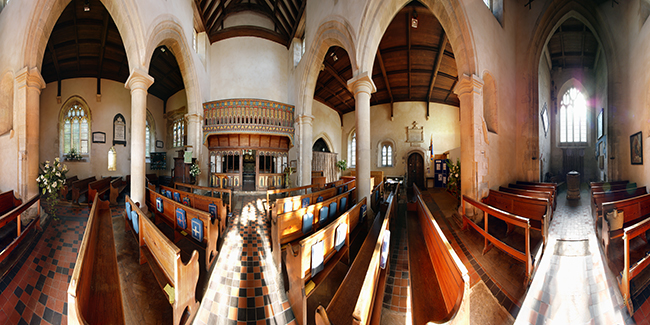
(86, 5)
(414, 20)
(334, 57)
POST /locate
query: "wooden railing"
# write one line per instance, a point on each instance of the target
(15, 215)
(94, 293)
(223, 193)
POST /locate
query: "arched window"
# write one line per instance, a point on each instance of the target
(178, 129)
(352, 150)
(74, 125)
(573, 118)
(150, 135)
(386, 155)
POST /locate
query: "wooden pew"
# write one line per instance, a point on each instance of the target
(164, 258)
(540, 188)
(116, 187)
(537, 210)
(65, 189)
(224, 194)
(598, 198)
(531, 193)
(636, 223)
(441, 282)
(509, 218)
(201, 202)
(168, 214)
(94, 293)
(12, 210)
(289, 226)
(273, 195)
(358, 299)
(376, 196)
(299, 259)
(292, 203)
(80, 188)
(152, 178)
(606, 184)
(611, 188)
(99, 188)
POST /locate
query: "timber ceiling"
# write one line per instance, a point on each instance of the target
(412, 64)
(285, 14)
(88, 44)
(573, 45)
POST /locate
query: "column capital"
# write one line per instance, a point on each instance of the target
(469, 85)
(362, 83)
(193, 118)
(304, 119)
(31, 78)
(139, 79)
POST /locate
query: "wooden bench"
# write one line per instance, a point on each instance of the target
(224, 194)
(290, 226)
(598, 198)
(538, 210)
(376, 196)
(635, 225)
(531, 193)
(116, 187)
(273, 195)
(299, 259)
(100, 188)
(164, 258)
(441, 290)
(80, 188)
(611, 188)
(292, 203)
(359, 298)
(606, 184)
(94, 293)
(201, 202)
(11, 210)
(169, 209)
(152, 178)
(540, 188)
(524, 255)
(65, 189)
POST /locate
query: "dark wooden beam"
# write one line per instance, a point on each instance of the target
(294, 8)
(331, 92)
(200, 8)
(55, 61)
(451, 90)
(436, 66)
(562, 47)
(76, 30)
(254, 31)
(272, 13)
(330, 69)
(408, 46)
(383, 73)
(214, 15)
(102, 49)
(286, 18)
(298, 18)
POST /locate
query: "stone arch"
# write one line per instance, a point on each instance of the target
(168, 31)
(325, 138)
(74, 99)
(334, 32)
(378, 14)
(47, 12)
(6, 102)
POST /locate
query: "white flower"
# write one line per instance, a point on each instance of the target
(47, 162)
(54, 184)
(58, 174)
(56, 159)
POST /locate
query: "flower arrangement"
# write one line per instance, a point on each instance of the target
(195, 170)
(287, 172)
(50, 180)
(342, 164)
(73, 155)
(453, 183)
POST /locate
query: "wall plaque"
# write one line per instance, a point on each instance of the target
(119, 130)
(415, 133)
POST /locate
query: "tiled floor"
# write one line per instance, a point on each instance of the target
(397, 283)
(572, 284)
(244, 287)
(34, 291)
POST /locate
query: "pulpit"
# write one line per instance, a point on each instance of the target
(182, 170)
(573, 185)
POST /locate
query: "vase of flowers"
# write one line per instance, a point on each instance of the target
(50, 181)
(453, 183)
(342, 164)
(195, 171)
(73, 155)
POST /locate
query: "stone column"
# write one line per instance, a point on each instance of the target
(362, 86)
(29, 83)
(139, 81)
(194, 134)
(304, 168)
(473, 139)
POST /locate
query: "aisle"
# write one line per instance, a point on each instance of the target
(571, 285)
(244, 285)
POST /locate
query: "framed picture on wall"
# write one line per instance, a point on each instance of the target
(636, 149)
(159, 144)
(99, 137)
(544, 117)
(599, 124)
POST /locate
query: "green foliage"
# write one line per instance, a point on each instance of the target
(342, 164)
(50, 180)
(73, 155)
(453, 183)
(195, 170)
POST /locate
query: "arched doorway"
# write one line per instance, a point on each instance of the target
(321, 146)
(415, 172)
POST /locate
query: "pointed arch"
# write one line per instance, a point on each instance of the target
(326, 138)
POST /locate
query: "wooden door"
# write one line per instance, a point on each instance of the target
(416, 171)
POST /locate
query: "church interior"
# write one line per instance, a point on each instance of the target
(324, 162)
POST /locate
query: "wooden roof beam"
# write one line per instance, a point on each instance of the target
(331, 92)
(76, 31)
(214, 15)
(272, 13)
(383, 73)
(297, 22)
(330, 69)
(293, 7)
(102, 50)
(451, 90)
(436, 66)
(408, 46)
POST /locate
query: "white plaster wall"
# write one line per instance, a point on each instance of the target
(249, 67)
(544, 85)
(248, 19)
(115, 99)
(443, 125)
(327, 124)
